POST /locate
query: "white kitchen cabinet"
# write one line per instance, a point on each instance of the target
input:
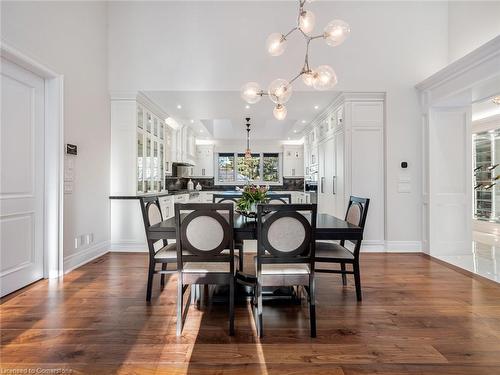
(350, 157)
(167, 206)
(293, 161)
(204, 166)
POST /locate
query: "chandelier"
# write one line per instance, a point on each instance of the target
(248, 153)
(322, 77)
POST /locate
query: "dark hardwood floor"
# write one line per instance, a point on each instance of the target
(417, 317)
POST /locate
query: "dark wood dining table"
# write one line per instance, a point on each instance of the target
(328, 227)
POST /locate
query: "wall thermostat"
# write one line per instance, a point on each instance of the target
(404, 164)
(71, 149)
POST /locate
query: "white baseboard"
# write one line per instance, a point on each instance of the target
(403, 246)
(84, 256)
(129, 246)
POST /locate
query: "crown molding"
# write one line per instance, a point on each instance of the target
(486, 52)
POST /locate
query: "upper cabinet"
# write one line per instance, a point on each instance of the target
(204, 166)
(344, 153)
(293, 161)
(151, 151)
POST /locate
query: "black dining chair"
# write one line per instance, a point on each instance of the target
(232, 198)
(280, 198)
(163, 254)
(329, 252)
(285, 253)
(205, 251)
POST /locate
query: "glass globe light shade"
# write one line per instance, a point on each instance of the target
(308, 78)
(275, 44)
(306, 21)
(326, 78)
(336, 32)
(248, 154)
(250, 92)
(280, 91)
(279, 112)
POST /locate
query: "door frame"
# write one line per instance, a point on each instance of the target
(54, 157)
(473, 78)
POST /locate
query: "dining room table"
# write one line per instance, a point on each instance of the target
(328, 227)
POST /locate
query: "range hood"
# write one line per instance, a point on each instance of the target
(181, 164)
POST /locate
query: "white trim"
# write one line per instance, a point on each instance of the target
(458, 68)
(403, 246)
(130, 246)
(54, 157)
(87, 255)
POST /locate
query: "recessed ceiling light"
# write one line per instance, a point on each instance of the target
(247, 106)
(316, 107)
(295, 131)
(288, 138)
(304, 121)
(179, 106)
(192, 121)
(201, 130)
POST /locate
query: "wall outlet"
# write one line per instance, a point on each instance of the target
(77, 242)
(90, 238)
(83, 240)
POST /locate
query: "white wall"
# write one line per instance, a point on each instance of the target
(470, 25)
(220, 46)
(70, 38)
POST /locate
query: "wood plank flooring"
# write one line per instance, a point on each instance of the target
(417, 317)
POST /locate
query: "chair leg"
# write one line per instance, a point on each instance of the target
(344, 276)
(240, 254)
(259, 322)
(231, 307)
(357, 281)
(150, 280)
(162, 277)
(180, 301)
(312, 306)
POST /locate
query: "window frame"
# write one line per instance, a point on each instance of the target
(260, 181)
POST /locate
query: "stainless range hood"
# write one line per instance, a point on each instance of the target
(182, 170)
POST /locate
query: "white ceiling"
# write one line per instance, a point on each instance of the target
(221, 114)
(485, 109)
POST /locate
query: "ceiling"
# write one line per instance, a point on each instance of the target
(221, 114)
(485, 109)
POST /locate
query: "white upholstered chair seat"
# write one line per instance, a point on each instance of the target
(206, 267)
(167, 252)
(332, 250)
(170, 252)
(285, 269)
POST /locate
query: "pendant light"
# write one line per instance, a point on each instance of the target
(248, 153)
(321, 78)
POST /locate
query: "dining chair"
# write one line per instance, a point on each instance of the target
(232, 198)
(280, 198)
(329, 252)
(205, 251)
(285, 253)
(160, 251)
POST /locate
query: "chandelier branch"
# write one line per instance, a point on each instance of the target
(322, 77)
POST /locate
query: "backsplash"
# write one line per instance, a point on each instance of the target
(180, 183)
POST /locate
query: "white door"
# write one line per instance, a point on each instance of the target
(22, 177)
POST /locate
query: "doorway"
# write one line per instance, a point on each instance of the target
(31, 158)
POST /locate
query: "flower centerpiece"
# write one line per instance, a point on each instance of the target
(251, 196)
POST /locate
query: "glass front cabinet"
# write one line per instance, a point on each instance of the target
(486, 154)
(152, 149)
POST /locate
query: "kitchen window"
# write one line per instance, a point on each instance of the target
(261, 168)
